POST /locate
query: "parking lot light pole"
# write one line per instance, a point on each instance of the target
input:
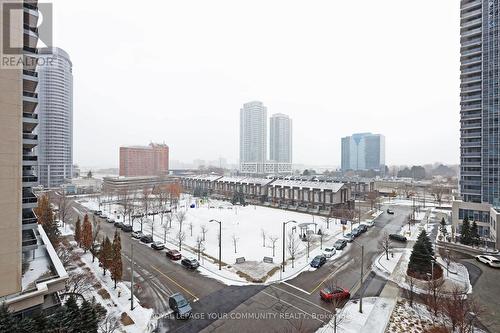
(220, 243)
(283, 262)
(361, 277)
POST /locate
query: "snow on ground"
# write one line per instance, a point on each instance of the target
(376, 312)
(396, 271)
(38, 266)
(119, 300)
(245, 224)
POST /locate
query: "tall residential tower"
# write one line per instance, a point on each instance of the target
(363, 151)
(253, 135)
(31, 273)
(479, 118)
(280, 138)
(55, 112)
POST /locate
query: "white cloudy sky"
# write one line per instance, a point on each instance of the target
(178, 72)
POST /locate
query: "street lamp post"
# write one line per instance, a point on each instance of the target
(283, 262)
(361, 277)
(220, 243)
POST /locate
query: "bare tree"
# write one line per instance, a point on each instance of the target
(165, 231)
(80, 282)
(200, 242)
(146, 200)
(327, 220)
(169, 217)
(372, 198)
(411, 289)
(204, 231)
(273, 239)
(459, 308)
(437, 192)
(125, 203)
(292, 246)
(190, 225)
(180, 237)
(263, 234)
(433, 295)
(64, 206)
(162, 197)
(181, 217)
(235, 241)
(385, 244)
(336, 307)
(110, 324)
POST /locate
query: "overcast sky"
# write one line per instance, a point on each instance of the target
(179, 71)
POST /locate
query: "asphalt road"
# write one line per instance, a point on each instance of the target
(294, 304)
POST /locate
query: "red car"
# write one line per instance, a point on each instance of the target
(173, 254)
(337, 294)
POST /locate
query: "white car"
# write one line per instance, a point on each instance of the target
(489, 260)
(329, 251)
(369, 224)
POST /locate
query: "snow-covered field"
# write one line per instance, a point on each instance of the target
(242, 236)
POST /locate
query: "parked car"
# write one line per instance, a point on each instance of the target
(390, 212)
(178, 303)
(118, 225)
(173, 254)
(398, 237)
(147, 239)
(104, 216)
(337, 294)
(110, 220)
(356, 232)
(318, 261)
(158, 245)
(349, 237)
(489, 260)
(137, 235)
(127, 228)
(329, 251)
(190, 263)
(369, 224)
(98, 212)
(340, 244)
(363, 228)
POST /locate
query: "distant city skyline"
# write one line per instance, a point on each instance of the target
(190, 99)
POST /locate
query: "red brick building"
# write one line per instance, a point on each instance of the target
(149, 160)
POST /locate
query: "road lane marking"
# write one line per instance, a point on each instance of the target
(293, 306)
(190, 293)
(303, 299)
(329, 276)
(295, 287)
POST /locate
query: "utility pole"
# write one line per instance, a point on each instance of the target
(361, 280)
(132, 276)
(220, 242)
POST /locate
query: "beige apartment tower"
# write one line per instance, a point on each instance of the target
(24, 246)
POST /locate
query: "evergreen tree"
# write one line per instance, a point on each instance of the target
(27, 325)
(45, 216)
(71, 315)
(88, 318)
(6, 319)
(116, 263)
(465, 237)
(474, 234)
(426, 240)
(106, 254)
(78, 231)
(86, 233)
(420, 258)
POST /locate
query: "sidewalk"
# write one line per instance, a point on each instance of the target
(381, 313)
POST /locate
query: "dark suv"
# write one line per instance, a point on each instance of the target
(318, 261)
(397, 237)
(340, 244)
(363, 228)
(147, 239)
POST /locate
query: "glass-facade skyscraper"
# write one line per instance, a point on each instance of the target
(479, 102)
(363, 151)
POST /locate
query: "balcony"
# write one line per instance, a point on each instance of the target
(29, 219)
(29, 240)
(476, 50)
(30, 58)
(471, 5)
(30, 102)
(30, 38)
(30, 201)
(471, 23)
(471, 144)
(30, 81)
(30, 180)
(475, 42)
(472, 13)
(30, 160)
(30, 16)
(475, 69)
(474, 60)
(30, 140)
(30, 121)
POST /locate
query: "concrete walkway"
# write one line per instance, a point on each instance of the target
(381, 313)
